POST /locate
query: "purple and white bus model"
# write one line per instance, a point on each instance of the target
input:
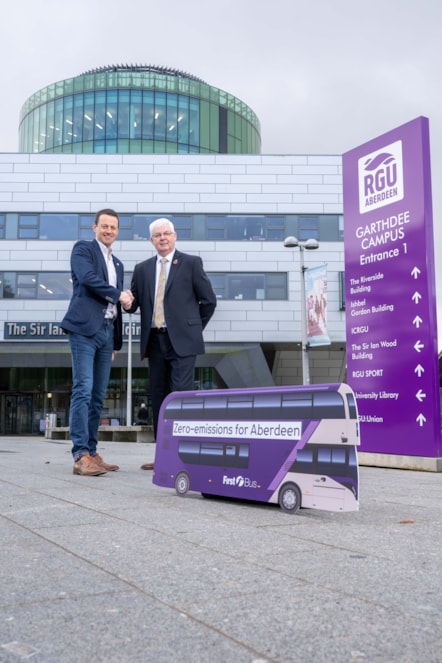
(294, 446)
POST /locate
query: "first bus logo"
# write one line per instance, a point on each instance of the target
(239, 481)
(380, 177)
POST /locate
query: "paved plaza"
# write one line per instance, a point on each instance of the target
(114, 569)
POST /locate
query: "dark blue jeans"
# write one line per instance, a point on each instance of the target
(91, 365)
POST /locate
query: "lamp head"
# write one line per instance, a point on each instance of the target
(311, 244)
(291, 242)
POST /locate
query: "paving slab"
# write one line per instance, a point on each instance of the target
(115, 569)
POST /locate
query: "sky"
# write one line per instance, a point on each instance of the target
(323, 76)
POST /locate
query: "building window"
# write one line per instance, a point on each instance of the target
(28, 226)
(125, 231)
(103, 117)
(33, 285)
(212, 227)
(341, 227)
(86, 222)
(58, 226)
(308, 227)
(245, 227)
(215, 227)
(26, 286)
(249, 286)
(183, 226)
(141, 223)
(229, 286)
(7, 285)
(53, 285)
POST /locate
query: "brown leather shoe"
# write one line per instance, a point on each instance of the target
(87, 467)
(100, 462)
(147, 466)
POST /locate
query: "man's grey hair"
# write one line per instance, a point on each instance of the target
(160, 223)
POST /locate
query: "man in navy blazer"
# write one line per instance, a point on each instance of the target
(172, 344)
(94, 324)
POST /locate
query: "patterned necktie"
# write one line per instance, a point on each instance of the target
(159, 299)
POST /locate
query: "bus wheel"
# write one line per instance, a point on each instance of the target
(182, 483)
(289, 498)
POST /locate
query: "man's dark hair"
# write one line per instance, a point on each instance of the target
(109, 212)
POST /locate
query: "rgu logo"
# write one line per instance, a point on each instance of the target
(382, 173)
(380, 176)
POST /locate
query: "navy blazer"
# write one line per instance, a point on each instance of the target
(189, 302)
(92, 292)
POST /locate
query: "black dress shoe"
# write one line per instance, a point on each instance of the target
(147, 466)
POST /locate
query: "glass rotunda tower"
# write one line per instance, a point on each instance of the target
(137, 109)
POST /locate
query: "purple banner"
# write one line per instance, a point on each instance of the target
(392, 362)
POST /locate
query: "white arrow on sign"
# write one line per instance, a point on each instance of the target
(420, 420)
(415, 272)
(418, 346)
(419, 370)
(416, 297)
(420, 395)
(417, 321)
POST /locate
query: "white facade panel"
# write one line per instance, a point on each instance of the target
(49, 187)
(27, 176)
(141, 170)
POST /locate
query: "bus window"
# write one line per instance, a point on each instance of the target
(231, 450)
(352, 471)
(242, 459)
(267, 405)
(297, 405)
(236, 455)
(304, 461)
(216, 403)
(192, 404)
(331, 460)
(339, 458)
(184, 408)
(352, 406)
(212, 454)
(240, 407)
(325, 465)
(189, 451)
(328, 405)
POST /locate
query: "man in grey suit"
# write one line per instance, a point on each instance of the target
(172, 323)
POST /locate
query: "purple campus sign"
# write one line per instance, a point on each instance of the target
(392, 362)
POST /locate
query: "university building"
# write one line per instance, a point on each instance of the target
(152, 142)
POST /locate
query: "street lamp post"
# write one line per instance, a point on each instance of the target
(129, 374)
(309, 245)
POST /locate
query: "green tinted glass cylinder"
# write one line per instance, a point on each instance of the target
(137, 109)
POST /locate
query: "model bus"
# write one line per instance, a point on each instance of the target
(293, 446)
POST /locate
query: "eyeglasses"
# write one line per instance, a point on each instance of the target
(168, 233)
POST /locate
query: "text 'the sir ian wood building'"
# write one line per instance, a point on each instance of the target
(150, 141)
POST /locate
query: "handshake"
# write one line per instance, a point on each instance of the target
(126, 298)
